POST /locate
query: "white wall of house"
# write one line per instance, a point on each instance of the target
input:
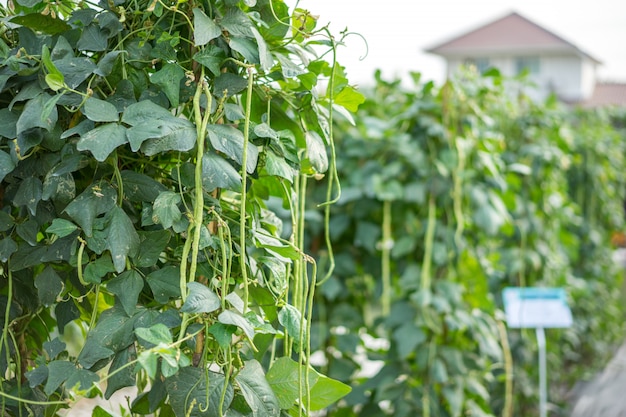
(570, 76)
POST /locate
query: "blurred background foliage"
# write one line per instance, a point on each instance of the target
(449, 195)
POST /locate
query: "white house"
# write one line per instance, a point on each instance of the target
(513, 43)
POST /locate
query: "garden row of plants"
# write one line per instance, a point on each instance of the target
(171, 218)
(450, 194)
(142, 145)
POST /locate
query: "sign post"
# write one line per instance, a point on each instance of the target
(538, 308)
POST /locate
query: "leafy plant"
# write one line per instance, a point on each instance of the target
(450, 194)
(144, 150)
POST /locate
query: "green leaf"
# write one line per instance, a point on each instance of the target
(290, 69)
(228, 84)
(475, 386)
(55, 81)
(176, 135)
(124, 377)
(31, 117)
(65, 312)
(28, 231)
(7, 248)
(237, 23)
(275, 165)
(110, 23)
(138, 134)
(100, 412)
(230, 141)
(29, 194)
(6, 221)
(218, 173)
(122, 238)
(276, 246)
(62, 49)
(291, 319)
(58, 373)
(223, 333)
(265, 56)
(236, 319)
(164, 283)
(349, 98)
(205, 29)
(114, 331)
(106, 64)
(455, 396)
(54, 347)
(140, 187)
(204, 388)
(127, 286)
(149, 362)
(168, 78)
(47, 62)
(148, 402)
(211, 57)
(156, 335)
(49, 286)
(327, 391)
(95, 200)
(6, 165)
(102, 140)
(284, 377)
(165, 210)
(92, 39)
(97, 269)
(61, 227)
(8, 129)
(145, 112)
(80, 129)
(257, 391)
(100, 111)
(28, 3)
(151, 246)
(408, 337)
(316, 152)
(81, 380)
(37, 376)
(438, 371)
(60, 189)
(200, 299)
(75, 70)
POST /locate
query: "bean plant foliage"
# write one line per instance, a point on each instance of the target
(450, 194)
(145, 147)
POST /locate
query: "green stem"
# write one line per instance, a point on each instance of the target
(229, 370)
(428, 244)
(333, 176)
(5, 328)
(198, 207)
(192, 244)
(183, 263)
(94, 312)
(309, 315)
(118, 180)
(244, 179)
(79, 260)
(386, 258)
(507, 410)
(458, 195)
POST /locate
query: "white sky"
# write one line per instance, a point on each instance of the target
(398, 31)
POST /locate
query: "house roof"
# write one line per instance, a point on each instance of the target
(511, 33)
(607, 94)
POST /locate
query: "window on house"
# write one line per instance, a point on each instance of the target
(481, 64)
(527, 63)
